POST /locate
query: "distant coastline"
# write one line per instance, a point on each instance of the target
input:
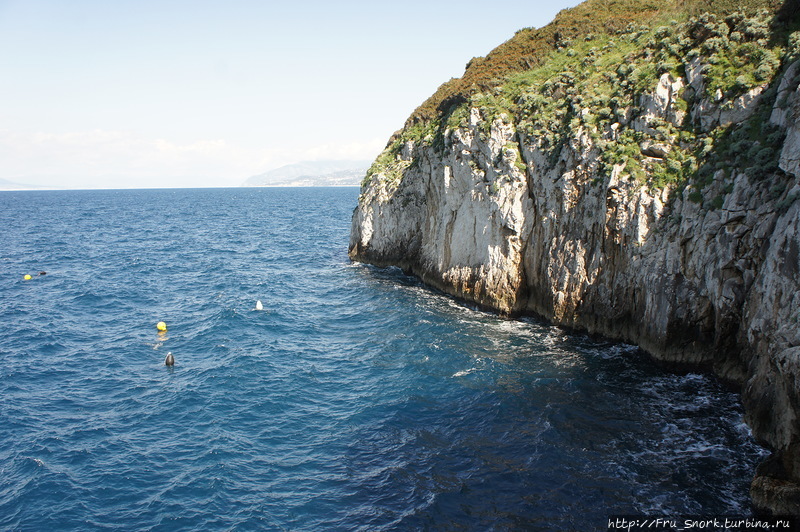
(8, 186)
(99, 189)
(312, 174)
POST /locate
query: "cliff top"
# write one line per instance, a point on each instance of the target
(530, 47)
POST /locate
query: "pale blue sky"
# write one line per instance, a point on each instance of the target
(207, 93)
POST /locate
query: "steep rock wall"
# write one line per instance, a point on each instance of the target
(494, 218)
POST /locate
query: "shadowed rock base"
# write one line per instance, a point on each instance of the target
(771, 490)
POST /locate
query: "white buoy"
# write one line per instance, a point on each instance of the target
(259, 306)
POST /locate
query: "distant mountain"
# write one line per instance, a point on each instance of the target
(11, 185)
(312, 174)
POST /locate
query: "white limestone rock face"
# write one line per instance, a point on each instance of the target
(661, 103)
(459, 221)
(494, 218)
(781, 111)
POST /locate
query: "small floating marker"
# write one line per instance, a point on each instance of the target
(161, 326)
(170, 360)
(27, 277)
(259, 306)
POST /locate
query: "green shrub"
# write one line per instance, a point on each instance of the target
(588, 70)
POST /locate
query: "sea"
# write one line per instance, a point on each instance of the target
(356, 398)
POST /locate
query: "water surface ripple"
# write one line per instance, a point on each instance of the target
(357, 399)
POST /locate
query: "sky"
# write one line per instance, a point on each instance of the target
(200, 93)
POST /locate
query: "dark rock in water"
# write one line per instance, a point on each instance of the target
(170, 360)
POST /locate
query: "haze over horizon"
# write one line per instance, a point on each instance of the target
(179, 93)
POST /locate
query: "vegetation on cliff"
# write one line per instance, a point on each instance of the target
(594, 70)
(531, 47)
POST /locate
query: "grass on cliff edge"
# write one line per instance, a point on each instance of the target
(531, 47)
(587, 69)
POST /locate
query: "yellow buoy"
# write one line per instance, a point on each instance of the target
(27, 277)
(161, 326)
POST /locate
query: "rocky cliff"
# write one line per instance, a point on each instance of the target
(633, 179)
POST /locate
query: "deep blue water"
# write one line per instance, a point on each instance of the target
(357, 399)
